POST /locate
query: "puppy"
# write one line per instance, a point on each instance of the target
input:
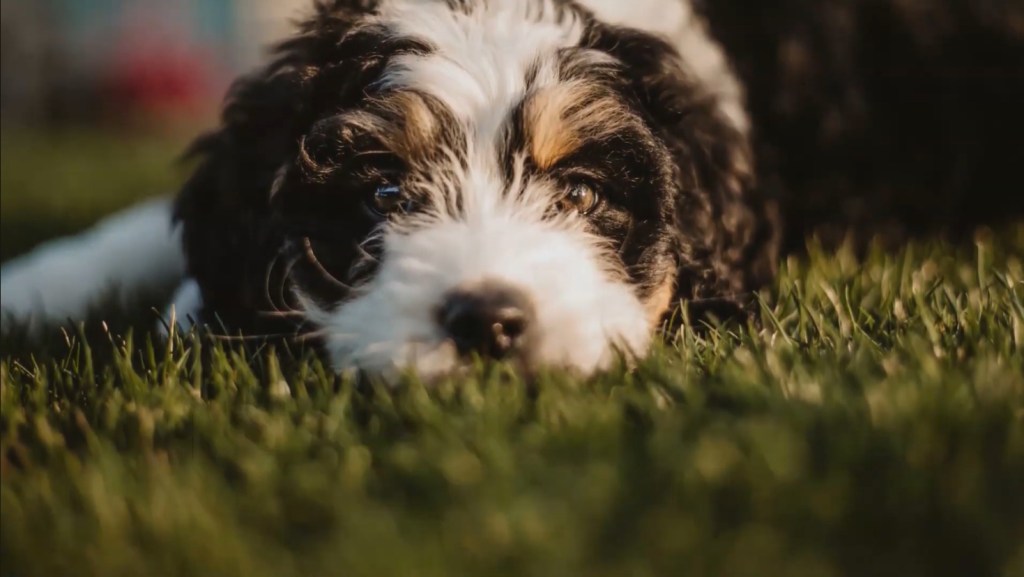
(421, 182)
(418, 183)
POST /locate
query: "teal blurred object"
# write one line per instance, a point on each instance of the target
(209, 22)
(235, 30)
(212, 18)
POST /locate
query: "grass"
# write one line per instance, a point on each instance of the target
(873, 424)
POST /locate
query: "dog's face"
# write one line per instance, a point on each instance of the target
(493, 178)
(495, 191)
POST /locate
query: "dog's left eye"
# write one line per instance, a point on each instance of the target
(581, 198)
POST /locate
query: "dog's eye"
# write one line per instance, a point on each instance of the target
(581, 198)
(388, 199)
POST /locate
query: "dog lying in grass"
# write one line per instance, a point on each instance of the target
(412, 184)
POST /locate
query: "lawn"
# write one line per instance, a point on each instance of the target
(871, 424)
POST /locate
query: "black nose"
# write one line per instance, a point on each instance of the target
(491, 319)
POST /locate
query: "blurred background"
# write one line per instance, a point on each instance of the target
(99, 97)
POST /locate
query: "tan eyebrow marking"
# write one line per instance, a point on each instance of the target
(560, 118)
(410, 128)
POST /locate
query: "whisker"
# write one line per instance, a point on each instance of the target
(320, 268)
(281, 314)
(305, 337)
(367, 257)
(284, 282)
(268, 276)
(253, 338)
(364, 254)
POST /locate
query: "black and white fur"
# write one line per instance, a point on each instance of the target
(584, 165)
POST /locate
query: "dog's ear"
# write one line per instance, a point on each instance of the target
(727, 243)
(230, 239)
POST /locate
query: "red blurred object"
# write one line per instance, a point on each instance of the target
(161, 77)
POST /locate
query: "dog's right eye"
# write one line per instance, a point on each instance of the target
(388, 199)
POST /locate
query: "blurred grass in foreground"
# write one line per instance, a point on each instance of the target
(58, 183)
(874, 426)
